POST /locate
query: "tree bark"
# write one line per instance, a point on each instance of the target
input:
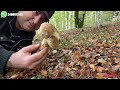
(76, 18)
(79, 19)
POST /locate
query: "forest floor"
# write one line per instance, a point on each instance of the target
(85, 53)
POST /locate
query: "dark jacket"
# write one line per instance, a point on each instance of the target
(11, 40)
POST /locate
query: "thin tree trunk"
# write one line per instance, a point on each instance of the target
(76, 18)
(81, 19)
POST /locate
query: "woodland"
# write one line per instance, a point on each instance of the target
(89, 48)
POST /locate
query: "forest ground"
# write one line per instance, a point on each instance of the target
(85, 53)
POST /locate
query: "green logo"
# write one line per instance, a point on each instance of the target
(3, 14)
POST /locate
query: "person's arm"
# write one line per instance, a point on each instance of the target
(4, 57)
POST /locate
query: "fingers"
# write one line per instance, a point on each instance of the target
(35, 64)
(39, 55)
(31, 48)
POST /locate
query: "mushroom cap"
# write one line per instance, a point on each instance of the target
(47, 29)
(53, 42)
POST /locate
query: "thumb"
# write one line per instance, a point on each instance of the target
(30, 48)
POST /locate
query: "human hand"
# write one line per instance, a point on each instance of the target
(24, 59)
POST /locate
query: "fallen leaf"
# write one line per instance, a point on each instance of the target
(92, 66)
(106, 69)
(71, 64)
(67, 69)
(82, 64)
(91, 60)
(114, 68)
(107, 44)
(100, 75)
(118, 45)
(74, 69)
(14, 76)
(99, 69)
(44, 72)
(73, 75)
(118, 40)
(76, 56)
(117, 60)
(57, 73)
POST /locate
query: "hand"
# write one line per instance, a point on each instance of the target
(24, 59)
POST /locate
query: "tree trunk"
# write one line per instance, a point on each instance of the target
(76, 18)
(81, 19)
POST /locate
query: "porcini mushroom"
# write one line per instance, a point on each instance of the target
(49, 35)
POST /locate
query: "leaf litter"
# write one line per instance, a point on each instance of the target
(86, 53)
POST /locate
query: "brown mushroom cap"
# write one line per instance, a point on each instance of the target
(47, 29)
(53, 42)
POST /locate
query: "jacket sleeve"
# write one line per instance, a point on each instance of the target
(4, 56)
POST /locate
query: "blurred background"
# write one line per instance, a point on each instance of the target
(64, 20)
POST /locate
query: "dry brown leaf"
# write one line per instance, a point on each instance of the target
(107, 44)
(106, 69)
(57, 73)
(82, 64)
(91, 60)
(15, 76)
(44, 72)
(73, 75)
(117, 60)
(92, 66)
(71, 64)
(115, 67)
(118, 40)
(67, 69)
(86, 73)
(99, 69)
(118, 45)
(75, 69)
(77, 56)
(100, 75)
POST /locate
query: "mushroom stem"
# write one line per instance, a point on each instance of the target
(43, 44)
